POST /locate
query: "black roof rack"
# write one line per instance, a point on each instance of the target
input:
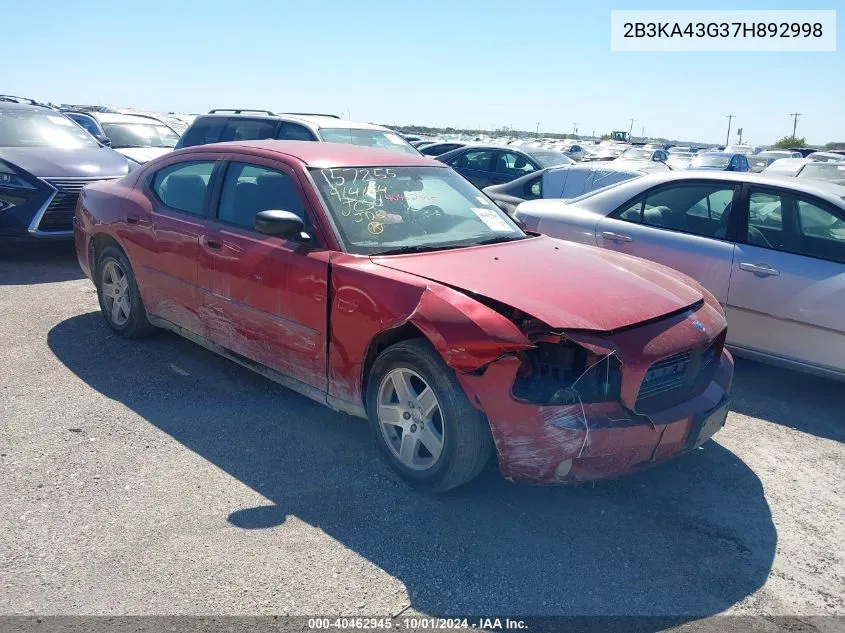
(239, 111)
(24, 101)
(334, 116)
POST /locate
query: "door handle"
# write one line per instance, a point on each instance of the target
(616, 237)
(212, 244)
(761, 270)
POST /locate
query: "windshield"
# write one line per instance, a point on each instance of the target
(23, 128)
(551, 159)
(379, 209)
(124, 135)
(824, 171)
(367, 138)
(636, 154)
(711, 160)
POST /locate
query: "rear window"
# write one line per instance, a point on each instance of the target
(250, 129)
(203, 131)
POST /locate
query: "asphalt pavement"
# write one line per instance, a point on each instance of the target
(153, 477)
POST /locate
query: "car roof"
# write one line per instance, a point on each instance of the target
(110, 117)
(11, 105)
(831, 190)
(314, 121)
(324, 155)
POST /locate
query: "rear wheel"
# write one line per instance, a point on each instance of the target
(421, 420)
(117, 290)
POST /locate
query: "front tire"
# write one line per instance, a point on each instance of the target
(421, 420)
(117, 291)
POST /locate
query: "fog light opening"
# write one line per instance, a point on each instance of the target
(563, 468)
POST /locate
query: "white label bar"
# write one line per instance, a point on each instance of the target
(711, 30)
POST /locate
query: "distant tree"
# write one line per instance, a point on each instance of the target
(791, 141)
(605, 137)
(835, 145)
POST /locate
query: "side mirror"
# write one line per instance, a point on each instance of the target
(105, 140)
(279, 223)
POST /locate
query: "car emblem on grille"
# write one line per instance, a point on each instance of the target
(698, 325)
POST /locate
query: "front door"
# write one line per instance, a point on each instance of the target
(683, 226)
(265, 296)
(787, 292)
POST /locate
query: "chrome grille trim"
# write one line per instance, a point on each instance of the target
(62, 202)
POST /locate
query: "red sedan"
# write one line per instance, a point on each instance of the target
(386, 286)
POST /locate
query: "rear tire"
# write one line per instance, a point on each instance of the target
(120, 301)
(432, 437)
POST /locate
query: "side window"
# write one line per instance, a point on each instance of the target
(249, 189)
(633, 212)
(183, 186)
(86, 123)
(698, 209)
(478, 160)
(294, 132)
(533, 189)
(203, 131)
(821, 233)
(250, 129)
(513, 164)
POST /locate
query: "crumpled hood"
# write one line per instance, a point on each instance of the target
(564, 284)
(50, 162)
(143, 154)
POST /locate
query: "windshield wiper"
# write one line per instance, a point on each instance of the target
(401, 250)
(502, 238)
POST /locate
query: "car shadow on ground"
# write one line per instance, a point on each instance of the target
(39, 264)
(690, 538)
(800, 401)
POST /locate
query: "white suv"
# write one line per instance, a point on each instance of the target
(240, 125)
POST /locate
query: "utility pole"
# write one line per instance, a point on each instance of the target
(537, 131)
(630, 128)
(728, 136)
(642, 133)
(739, 131)
(794, 116)
(574, 129)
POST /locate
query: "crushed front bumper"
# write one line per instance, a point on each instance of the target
(569, 444)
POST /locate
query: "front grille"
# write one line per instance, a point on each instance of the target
(673, 379)
(59, 214)
(665, 375)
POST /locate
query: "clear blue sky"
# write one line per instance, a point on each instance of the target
(462, 63)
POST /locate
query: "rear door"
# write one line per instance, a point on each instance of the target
(178, 194)
(787, 290)
(266, 296)
(476, 165)
(684, 226)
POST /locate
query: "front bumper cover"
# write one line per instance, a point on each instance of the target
(570, 444)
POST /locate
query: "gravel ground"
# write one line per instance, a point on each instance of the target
(152, 477)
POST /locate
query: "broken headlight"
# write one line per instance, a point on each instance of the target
(566, 373)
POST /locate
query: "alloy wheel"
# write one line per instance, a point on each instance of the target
(410, 419)
(115, 289)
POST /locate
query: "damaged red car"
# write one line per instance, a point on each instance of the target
(387, 286)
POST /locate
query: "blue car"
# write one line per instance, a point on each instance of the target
(45, 160)
(720, 161)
